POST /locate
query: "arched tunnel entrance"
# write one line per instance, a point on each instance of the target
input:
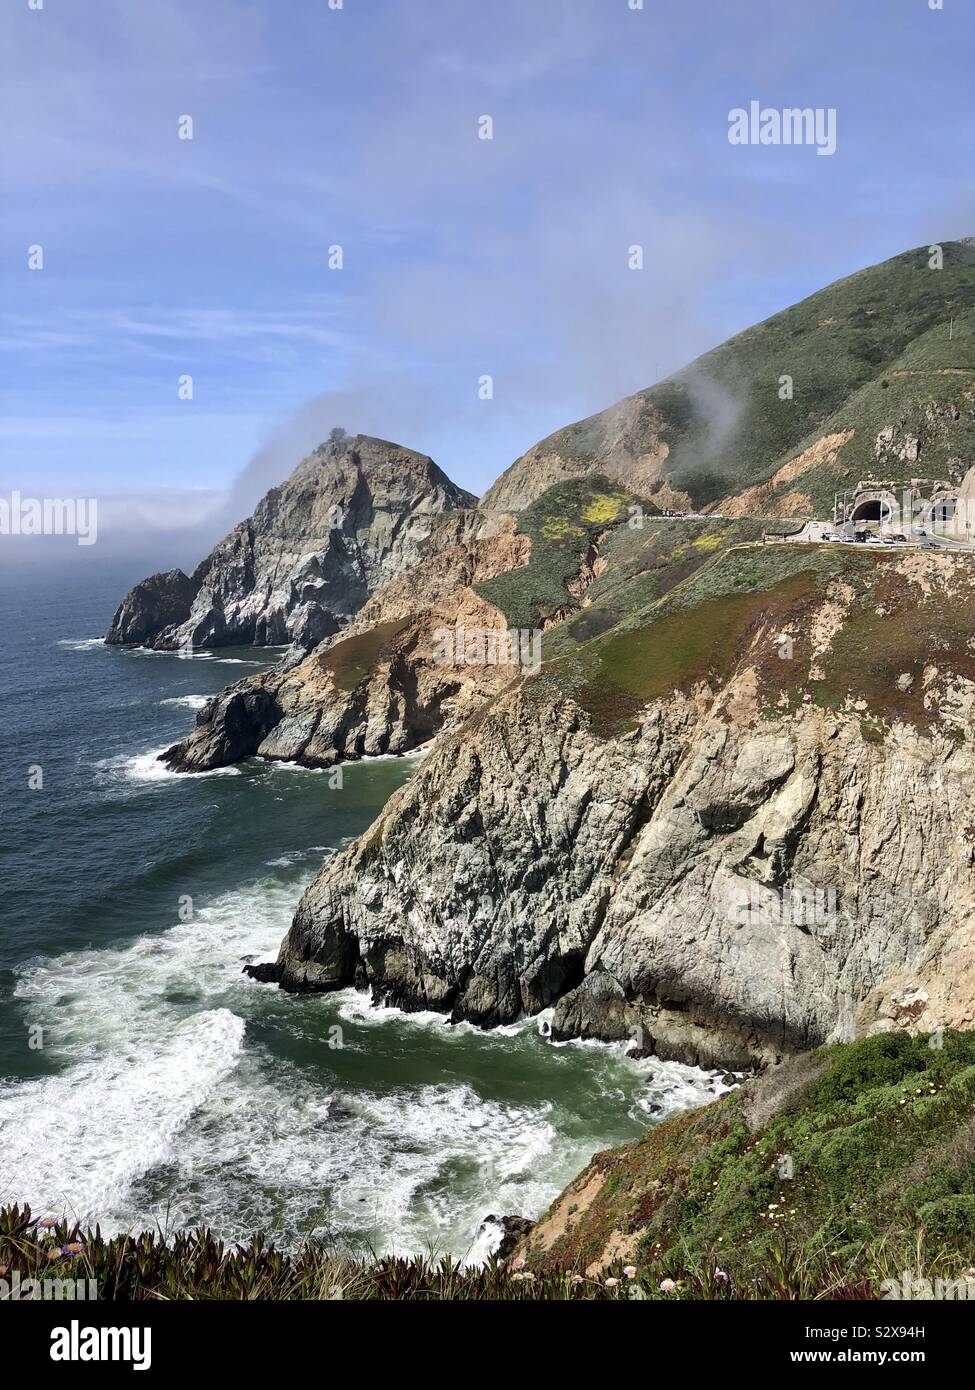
(874, 509)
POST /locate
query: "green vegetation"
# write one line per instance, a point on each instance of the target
(720, 426)
(674, 651)
(926, 394)
(831, 344)
(724, 604)
(196, 1265)
(642, 565)
(351, 660)
(852, 1159)
(563, 524)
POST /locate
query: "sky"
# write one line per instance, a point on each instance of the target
(318, 124)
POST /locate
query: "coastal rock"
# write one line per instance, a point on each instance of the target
(352, 516)
(513, 1230)
(380, 686)
(638, 884)
(161, 601)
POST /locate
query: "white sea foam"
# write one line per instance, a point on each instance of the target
(146, 767)
(144, 1037)
(187, 701)
(163, 1110)
(75, 1144)
(82, 644)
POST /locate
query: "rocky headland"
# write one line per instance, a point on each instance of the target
(728, 815)
(351, 517)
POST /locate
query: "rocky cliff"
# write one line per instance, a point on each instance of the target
(352, 516)
(382, 686)
(426, 650)
(717, 851)
(731, 817)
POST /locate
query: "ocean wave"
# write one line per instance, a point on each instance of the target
(164, 1108)
(187, 701)
(76, 1143)
(146, 767)
(81, 644)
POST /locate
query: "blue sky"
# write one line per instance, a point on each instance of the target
(358, 126)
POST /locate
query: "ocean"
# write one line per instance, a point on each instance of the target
(144, 1080)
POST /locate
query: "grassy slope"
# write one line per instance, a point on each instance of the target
(845, 1154)
(734, 608)
(643, 556)
(831, 344)
(352, 659)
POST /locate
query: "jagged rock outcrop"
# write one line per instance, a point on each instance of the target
(352, 516)
(382, 686)
(646, 886)
(155, 604)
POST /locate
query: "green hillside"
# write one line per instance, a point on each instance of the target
(719, 427)
(719, 601)
(862, 1153)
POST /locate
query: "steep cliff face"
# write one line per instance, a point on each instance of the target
(352, 516)
(726, 872)
(383, 686)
